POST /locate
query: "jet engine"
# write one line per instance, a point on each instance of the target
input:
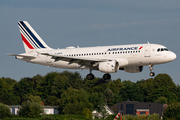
(133, 69)
(109, 66)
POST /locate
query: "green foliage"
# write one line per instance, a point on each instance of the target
(96, 99)
(178, 92)
(4, 111)
(87, 113)
(73, 101)
(35, 99)
(131, 91)
(162, 100)
(147, 87)
(30, 109)
(166, 81)
(153, 117)
(172, 112)
(108, 96)
(51, 101)
(164, 92)
(23, 88)
(46, 117)
(74, 94)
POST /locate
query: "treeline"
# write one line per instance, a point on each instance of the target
(74, 94)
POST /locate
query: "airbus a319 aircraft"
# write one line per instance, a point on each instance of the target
(106, 59)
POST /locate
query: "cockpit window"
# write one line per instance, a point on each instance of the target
(162, 49)
(166, 49)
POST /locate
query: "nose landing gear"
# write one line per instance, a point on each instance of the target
(151, 69)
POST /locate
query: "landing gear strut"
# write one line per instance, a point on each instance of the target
(151, 73)
(90, 76)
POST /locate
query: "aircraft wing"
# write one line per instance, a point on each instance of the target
(25, 56)
(83, 61)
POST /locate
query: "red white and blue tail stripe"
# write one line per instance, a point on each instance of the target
(30, 38)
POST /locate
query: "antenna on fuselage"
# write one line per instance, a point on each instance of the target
(147, 42)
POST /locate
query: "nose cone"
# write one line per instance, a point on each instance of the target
(173, 56)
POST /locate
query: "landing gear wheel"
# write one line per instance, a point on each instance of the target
(152, 74)
(90, 76)
(106, 76)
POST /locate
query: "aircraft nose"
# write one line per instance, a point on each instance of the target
(173, 56)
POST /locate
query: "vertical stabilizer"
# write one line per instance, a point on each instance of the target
(31, 39)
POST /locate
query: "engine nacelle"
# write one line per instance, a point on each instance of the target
(109, 67)
(133, 69)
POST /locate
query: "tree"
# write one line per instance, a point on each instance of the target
(23, 89)
(108, 96)
(4, 111)
(6, 95)
(166, 81)
(162, 100)
(131, 91)
(30, 109)
(9, 81)
(87, 113)
(74, 79)
(36, 99)
(148, 86)
(96, 99)
(73, 101)
(172, 112)
(115, 86)
(164, 92)
(178, 92)
(51, 100)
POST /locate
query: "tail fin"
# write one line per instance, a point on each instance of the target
(30, 38)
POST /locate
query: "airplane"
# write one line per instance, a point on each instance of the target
(106, 59)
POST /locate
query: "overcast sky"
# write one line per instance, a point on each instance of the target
(62, 23)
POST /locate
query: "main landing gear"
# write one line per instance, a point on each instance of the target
(90, 76)
(106, 76)
(151, 73)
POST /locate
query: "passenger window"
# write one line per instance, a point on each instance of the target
(162, 49)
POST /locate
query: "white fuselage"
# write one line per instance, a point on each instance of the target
(126, 55)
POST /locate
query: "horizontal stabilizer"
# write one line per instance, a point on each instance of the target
(25, 56)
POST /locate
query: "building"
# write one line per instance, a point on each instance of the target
(140, 108)
(47, 109)
(14, 109)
